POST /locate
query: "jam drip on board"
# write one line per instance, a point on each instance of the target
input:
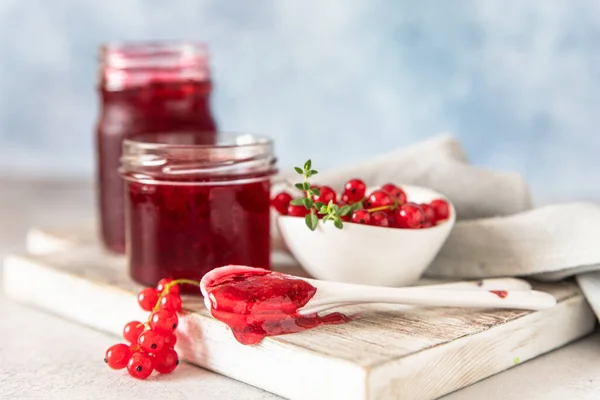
(256, 303)
(500, 293)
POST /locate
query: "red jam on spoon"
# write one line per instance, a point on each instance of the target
(257, 303)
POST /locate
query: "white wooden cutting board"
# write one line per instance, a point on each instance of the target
(385, 353)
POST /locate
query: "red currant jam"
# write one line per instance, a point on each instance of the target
(192, 207)
(500, 293)
(257, 303)
(145, 88)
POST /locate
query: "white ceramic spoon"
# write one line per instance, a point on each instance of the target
(484, 284)
(332, 294)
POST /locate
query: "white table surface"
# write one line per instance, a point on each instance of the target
(45, 357)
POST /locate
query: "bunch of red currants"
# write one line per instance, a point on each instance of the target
(152, 343)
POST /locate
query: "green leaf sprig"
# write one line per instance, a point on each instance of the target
(330, 211)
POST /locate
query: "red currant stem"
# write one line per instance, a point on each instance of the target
(308, 195)
(165, 292)
(383, 208)
(168, 287)
(182, 282)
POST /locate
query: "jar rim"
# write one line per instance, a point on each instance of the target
(137, 63)
(147, 47)
(167, 155)
(225, 140)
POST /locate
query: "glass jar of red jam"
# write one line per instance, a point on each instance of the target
(145, 87)
(191, 207)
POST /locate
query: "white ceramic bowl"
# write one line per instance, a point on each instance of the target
(368, 255)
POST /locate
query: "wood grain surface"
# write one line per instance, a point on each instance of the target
(386, 352)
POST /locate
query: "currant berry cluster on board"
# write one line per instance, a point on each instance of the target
(151, 343)
(386, 207)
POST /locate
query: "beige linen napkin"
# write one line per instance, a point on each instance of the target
(497, 234)
(557, 239)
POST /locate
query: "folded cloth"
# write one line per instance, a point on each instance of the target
(497, 235)
(557, 239)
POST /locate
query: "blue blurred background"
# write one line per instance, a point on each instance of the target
(517, 81)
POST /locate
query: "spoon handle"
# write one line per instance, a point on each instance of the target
(512, 299)
(484, 284)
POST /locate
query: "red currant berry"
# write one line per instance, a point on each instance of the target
(151, 341)
(171, 302)
(441, 208)
(166, 361)
(170, 341)
(147, 298)
(402, 198)
(379, 218)
(281, 202)
(132, 331)
(354, 191)
(410, 216)
(162, 285)
(392, 222)
(140, 365)
(326, 194)
(389, 188)
(164, 321)
(428, 211)
(297, 211)
(117, 356)
(345, 199)
(377, 199)
(361, 217)
(426, 224)
(396, 193)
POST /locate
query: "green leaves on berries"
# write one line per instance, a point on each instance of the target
(329, 211)
(306, 171)
(311, 221)
(349, 209)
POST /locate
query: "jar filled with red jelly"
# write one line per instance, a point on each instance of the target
(192, 207)
(145, 88)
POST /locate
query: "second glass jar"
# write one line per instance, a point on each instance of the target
(145, 87)
(192, 207)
